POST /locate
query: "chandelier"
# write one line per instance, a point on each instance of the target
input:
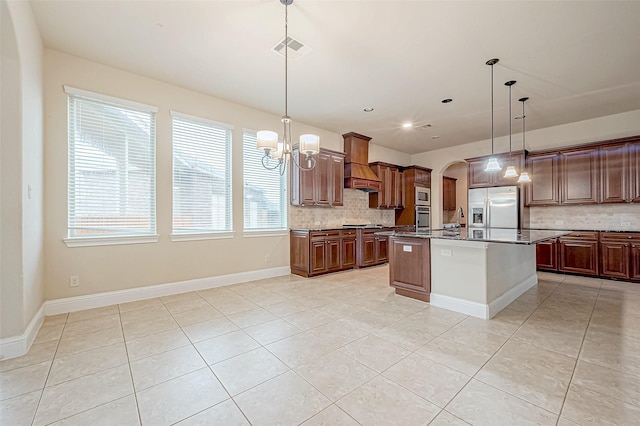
(278, 152)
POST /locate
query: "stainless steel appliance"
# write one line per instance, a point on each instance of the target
(423, 196)
(423, 218)
(494, 207)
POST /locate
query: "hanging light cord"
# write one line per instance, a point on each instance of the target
(286, 59)
(510, 120)
(491, 109)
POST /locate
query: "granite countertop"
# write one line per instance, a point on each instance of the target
(491, 235)
(341, 227)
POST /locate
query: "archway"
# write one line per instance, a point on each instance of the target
(453, 193)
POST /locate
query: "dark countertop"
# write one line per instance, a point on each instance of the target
(490, 235)
(342, 227)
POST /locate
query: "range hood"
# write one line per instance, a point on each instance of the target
(357, 173)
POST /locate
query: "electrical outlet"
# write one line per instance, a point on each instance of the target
(444, 252)
(559, 222)
(625, 224)
(267, 258)
(74, 281)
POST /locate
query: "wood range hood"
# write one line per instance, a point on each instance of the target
(357, 173)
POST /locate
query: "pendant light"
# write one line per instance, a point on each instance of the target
(492, 164)
(277, 154)
(511, 170)
(524, 176)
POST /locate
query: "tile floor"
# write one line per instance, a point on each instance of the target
(338, 350)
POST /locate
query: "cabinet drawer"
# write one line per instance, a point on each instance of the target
(349, 233)
(620, 236)
(324, 234)
(586, 235)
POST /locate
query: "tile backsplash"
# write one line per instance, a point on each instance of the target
(612, 217)
(355, 211)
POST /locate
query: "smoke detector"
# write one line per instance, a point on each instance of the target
(296, 48)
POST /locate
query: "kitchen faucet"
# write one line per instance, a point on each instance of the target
(459, 215)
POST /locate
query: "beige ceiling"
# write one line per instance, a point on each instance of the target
(575, 60)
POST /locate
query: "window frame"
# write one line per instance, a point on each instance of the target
(72, 240)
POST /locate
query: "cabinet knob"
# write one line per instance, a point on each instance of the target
(629, 237)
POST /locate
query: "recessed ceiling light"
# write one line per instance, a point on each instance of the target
(407, 125)
(368, 109)
(446, 100)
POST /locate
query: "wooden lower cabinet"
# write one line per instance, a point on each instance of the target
(634, 269)
(410, 267)
(372, 249)
(578, 253)
(614, 258)
(320, 252)
(547, 255)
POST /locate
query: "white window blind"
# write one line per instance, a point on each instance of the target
(201, 175)
(265, 191)
(112, 167)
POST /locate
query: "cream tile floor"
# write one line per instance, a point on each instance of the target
(336, 350)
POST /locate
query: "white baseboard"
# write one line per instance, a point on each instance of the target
(15, 346)
(475, 309)
(505, 300)
(481, 310)
(98, 300)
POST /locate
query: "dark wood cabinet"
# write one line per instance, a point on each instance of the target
(579, 176)
(448, 193)
(413, 176)
(543, 190)
(321, 186)
(478, 178)
(614, 172)
(410, 267)
(373, 249)
(320, 252)
(391, 194)
(547, 255)
(618, 255)
(578, 253)
(634, 171)
(348, 249)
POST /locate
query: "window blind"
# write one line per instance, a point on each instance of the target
(265, 191)
(112, 168)
(201, 175)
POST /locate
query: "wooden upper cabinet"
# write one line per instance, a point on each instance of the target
(391, 194)
(579, 174)
(321, 186)
(337, 168)
(478, 178)
(544, 173)
(634, 171)
(448, 193)
(422, 177)
(614, 172)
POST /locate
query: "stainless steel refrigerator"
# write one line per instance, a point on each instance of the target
(494, 207)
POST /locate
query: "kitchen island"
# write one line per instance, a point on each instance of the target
(476, 271)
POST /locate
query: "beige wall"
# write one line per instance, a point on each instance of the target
(109, 268)
(597, 129)
(21, 224)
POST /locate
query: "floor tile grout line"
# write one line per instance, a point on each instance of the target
(133, 385)
(44, 385)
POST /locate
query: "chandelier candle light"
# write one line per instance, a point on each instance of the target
(511, 170)
(276, 153)
(524, 176)
(492, 164)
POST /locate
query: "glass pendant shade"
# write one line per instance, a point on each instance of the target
(524, 177)
(493, 165)
(309, 144)
(511, 172)
(267, 140)
(278, 153)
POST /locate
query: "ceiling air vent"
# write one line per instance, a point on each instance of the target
(296, 48)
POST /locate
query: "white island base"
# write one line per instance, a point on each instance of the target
(480, 278)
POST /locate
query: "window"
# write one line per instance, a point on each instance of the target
(201, 176)
(112, 168)
(265, 191)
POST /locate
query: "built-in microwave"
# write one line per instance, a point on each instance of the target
(423, 196)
